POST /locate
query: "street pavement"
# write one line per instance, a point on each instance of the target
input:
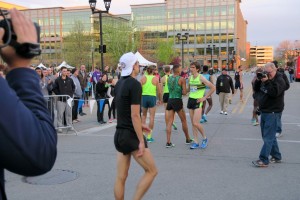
(223, 171)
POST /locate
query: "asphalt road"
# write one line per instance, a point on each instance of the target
(223, 171)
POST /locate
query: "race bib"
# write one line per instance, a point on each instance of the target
(193, 88)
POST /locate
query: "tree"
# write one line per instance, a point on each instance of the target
(165, 50)
(286, 51)
(77, 45)
(120, 38)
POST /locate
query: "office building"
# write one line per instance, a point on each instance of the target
(218, 23)
(260, 55)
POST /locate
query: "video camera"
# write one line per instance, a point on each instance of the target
(261, 75)
(24, 50)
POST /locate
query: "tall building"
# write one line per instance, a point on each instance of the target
(56, 24)
(260, 55)
(218, 23)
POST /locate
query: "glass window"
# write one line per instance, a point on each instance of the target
(200, 39)
(223, 24)
(223, 38)
(208, 38)
(208, 11)
(208, 25)
(231, 10)
(200, 12)
(223, 10)
(216, 38)
(177, 13)
(192, 12)
(200, 51)
(184, 12)
(200, 26)
(230, 24)
(184, 27)
(216, 25)
(216, 11)
(191, 26)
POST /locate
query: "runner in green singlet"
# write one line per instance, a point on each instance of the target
(197, 85)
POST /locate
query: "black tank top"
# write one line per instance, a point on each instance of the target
(237, 76)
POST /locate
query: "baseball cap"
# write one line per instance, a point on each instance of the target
(127, 61)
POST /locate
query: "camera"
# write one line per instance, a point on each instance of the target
(24, 50)
(261, 75)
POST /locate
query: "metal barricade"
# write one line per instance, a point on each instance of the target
(60, 108)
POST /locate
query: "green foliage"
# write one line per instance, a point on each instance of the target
(165, 51)
(77, 45)
(119, 38)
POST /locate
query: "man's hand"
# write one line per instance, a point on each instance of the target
(141, 149)
(146, 128)
(26, 33)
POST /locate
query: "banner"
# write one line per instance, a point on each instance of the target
(69, 101)
(92, 103)
(80, 103)
(110, 100)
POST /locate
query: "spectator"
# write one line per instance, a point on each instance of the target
(27, 135)
(83, 79)
(101, 90)
(111, 94)
(223, 86)
(77, 94)
(64, 86)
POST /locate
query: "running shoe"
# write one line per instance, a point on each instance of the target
(202, 121)
(170, 145)
(278, 135)
(150, 140)
(221, 112)
(204, 117)
(274, 160)
(204, 143)
(225, 113)
(174, 126)
(259, 163)
(195, 146)
(189, 141)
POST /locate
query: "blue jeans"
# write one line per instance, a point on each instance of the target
(268, 124)
(279, 124)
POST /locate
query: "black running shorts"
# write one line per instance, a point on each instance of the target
(174, 104)
(166, 97)
(127, 141)
(193, 104)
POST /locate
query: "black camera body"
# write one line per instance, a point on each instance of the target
(25, 50)
(261, 75)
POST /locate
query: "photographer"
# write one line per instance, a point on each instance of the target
(269, 89)
(27, 136)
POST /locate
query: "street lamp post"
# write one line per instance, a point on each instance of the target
(211, 53)
(228, 53)
(102, 48)
(182, 38)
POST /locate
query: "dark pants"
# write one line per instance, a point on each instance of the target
(75, 108)
(100, 114)
(268, 123)
(112, 109)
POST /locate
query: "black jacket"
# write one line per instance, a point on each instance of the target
(224, 84)
(270, 94)
(101, 90)
(64, 87)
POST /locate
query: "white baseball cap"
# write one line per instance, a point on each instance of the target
(126, 62)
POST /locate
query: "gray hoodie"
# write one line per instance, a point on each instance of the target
(78, 91)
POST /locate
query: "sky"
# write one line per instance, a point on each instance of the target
(269, 21)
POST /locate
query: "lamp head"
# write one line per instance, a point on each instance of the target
(107, 4)
(93, 4)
